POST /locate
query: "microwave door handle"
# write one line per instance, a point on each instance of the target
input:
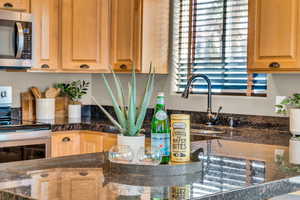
(20, 40)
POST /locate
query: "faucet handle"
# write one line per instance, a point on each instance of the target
(217, 114)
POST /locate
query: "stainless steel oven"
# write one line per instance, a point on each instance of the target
(15, 39)
(17, 145)
(21, 140)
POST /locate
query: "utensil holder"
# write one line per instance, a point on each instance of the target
(45, 109)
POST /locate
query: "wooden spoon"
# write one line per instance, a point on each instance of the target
(52, 92)
(36, 92)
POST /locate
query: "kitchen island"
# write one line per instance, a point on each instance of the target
(231, 170)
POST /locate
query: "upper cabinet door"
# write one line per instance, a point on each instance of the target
(85, 35)
(274, 35)
(155, 35)
(17, 5)
(126, 33)
(46, 30)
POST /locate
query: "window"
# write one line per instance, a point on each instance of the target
(210, 37)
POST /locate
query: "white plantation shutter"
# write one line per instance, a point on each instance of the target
(210, 37)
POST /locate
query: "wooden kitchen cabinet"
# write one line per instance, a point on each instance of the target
(67, 184)
(64, 144)
(74, 36)
(126, 33)
(46, 53)
(80, 142)
(46, 184)
(15, 5)
(140, 35)
(274, 36)
(85, 32)
(82, 184)
(155, 44)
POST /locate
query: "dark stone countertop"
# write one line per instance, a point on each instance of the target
(232, 170)
(238, 163)
(272, 136)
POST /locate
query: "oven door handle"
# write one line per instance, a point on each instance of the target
(20, 40)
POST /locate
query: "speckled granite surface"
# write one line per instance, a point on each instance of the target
(231, 170)
(250, 134)
(238, 163)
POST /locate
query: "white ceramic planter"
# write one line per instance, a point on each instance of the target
(74, 112)
(134, 142)
(294, 151)
(294, 121)
(45, 109)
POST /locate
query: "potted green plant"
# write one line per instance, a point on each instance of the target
(130, 117)
(291, 105)
(75, 90)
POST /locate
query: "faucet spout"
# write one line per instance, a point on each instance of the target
(186, 92)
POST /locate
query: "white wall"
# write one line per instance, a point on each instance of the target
(21, 81)
(278, 85)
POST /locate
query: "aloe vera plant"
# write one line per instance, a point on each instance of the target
(130, 118)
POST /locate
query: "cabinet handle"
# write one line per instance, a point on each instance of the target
(83, 173)
(66, 139)
(44, 175)
(274, 65)
(84, 66)
(45, 66)
(123, 67)
(8, 5)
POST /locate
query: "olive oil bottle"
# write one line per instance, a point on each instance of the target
(160, 129)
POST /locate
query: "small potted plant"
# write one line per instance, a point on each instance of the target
(130, 117)
(75, 90)
(291, 105)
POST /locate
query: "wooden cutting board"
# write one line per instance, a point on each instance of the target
(28, 106)
(61, 107)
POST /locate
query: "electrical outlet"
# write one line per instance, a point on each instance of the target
(278, 100)
(278, 152)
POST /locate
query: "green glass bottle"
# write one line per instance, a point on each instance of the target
(160, 129)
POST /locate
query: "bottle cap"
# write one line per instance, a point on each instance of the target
(160, 94)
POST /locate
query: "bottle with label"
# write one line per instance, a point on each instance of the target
(160, 129)
(180, 139)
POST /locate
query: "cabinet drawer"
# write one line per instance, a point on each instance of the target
(19, 5)
(65, 144)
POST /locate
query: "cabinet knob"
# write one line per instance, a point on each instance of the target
(84, 66)
(8, 5)
(83, 173)
(45, 66)
(274, 65)
(123, 67)
(44, 175)
(66, 139)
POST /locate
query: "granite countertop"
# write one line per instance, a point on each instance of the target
(238, 163)
(232, 170)
(264, 135)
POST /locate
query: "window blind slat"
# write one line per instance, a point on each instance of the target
(219, 49)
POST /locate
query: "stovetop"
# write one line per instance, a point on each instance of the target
(15, 124)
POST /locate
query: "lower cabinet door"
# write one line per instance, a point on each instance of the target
(65, 144)
(46, 185)
(82, 184)
(91, 143)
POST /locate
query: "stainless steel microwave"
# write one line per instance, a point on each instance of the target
(15, 39)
